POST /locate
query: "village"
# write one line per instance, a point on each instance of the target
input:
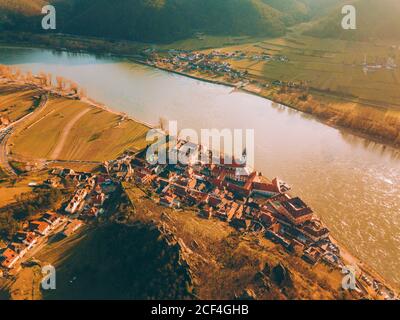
(86, 204)
(243, 198)
(215, 64)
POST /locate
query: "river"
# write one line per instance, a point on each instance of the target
(351, 183)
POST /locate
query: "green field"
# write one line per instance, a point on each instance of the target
(16, 101)
(333, 67)
(204, 42)
(98, 135)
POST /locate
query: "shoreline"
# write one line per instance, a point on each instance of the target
(102, 106)
(347, 256)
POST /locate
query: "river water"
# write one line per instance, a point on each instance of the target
(351, 183)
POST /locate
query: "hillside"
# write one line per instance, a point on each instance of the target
(151, 20)
(375, 20)
(321, 8)
(294, 11)
(19, 14)
(26, 7)
(171, 20)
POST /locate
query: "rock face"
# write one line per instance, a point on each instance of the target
(281, 276)
(125, 262)
(267, 270)
(262, 280)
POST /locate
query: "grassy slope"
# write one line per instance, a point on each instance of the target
(16, 104)
(96, 136)
(335, 66)
(10, 189)
(26, 7)
(294, 11)
(100, 135)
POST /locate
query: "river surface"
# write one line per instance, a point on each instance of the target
(351, 183)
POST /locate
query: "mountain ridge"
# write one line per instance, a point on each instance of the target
(171, 20)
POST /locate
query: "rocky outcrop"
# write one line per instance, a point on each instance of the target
(281, 276)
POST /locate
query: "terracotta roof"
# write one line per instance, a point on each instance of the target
(39, 226)
(9, 254)
(296, 207)
(50, 216)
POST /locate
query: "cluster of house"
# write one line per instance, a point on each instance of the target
(87, 202)
(90, 193)
(194, 61)
(239, 195)
(34, 233)
(212, 62)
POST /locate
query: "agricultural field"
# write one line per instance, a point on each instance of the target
(331, 67)
(17, 101)
(10, 189)
(203, 42)
(73, 130)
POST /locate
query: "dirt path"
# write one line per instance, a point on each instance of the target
(65, 132)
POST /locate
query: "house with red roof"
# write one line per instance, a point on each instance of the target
(72, 227)
(8, 258)
(51, 218)
(294, 210)
(40, 227)
(170, 201)
(27, 238)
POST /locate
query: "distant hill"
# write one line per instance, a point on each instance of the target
(293, 11)
(151, 20)
(26, 7)
(170, 20)
(164, 20)
(21, 11)
(375, 20)
(320, 8)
